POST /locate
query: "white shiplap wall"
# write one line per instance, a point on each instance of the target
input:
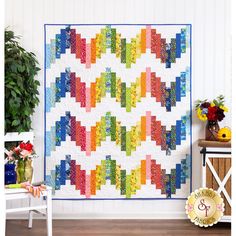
(211, 74)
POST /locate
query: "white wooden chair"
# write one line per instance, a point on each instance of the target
(14, 194)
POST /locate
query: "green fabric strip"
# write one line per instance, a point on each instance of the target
(103, 84)
(113, 171)
(108, 123)
(173, 50)
(173, 94)
(103, 128)
(128, 188)
(103, 40)
(128, 55)
(113, 40)
(113, 128)
(123, 51)
(123, 94)
(123, 138)
(173, 137)
(123, 182)
(113, 84)
(128, 99)
(173, 179)
(128, 144)
(103, 172)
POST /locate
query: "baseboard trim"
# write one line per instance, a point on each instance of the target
(163, 215)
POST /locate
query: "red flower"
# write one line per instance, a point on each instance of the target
(212, 113)
(28, 147)
(22, 145)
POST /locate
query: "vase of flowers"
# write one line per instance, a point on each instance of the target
(22, 155)
(212, 112)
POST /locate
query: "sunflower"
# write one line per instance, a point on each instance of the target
(200, 115)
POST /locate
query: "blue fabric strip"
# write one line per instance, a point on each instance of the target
(68, 161)
(63, 172)
(178, 176)
(48, 99)
(168, 99)
(188, 79)
(183, 84)
(57, 177)
(178, 132)
(168, 186)
(58, 133)
(53, 94)
(188, 165)
(63, 128)
(63, 41)
(48, 143)
(53, 138)
(183, 40)
(63, 84)
(168, 139)
(53, 185)
(178, 89)
(68, 124)
(183, 128)
(58, 89)
(48, 56)
(183, 171)
(58, 45)
(178, 46)
(168, 60)
(67, 82)
(53, 51)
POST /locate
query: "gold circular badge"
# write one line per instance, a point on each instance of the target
(204, 207)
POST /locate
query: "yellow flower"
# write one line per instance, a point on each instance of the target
(224, 108)
(212, 104)
(201, 116)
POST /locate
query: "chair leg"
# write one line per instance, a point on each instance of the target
(30, 216)
(49, 213)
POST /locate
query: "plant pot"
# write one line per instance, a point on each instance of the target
(10, 174)
(20, 171)
(211, 131)
(28, 170)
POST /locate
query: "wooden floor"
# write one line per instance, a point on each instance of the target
(115, 227)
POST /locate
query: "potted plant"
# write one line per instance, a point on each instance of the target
(21, 89)
(212, 112)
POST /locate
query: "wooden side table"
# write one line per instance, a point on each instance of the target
(216, 170)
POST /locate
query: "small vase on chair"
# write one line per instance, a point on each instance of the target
(20, 171)
(28, 170)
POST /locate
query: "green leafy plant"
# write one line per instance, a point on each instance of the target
(21, 89)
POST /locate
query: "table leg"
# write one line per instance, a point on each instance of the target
(49, 212)
(30, 216)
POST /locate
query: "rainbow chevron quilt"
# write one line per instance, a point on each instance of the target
(118, 111)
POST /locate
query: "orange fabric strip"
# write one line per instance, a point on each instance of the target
(143, 84)
(93, 50)
(143, 40)
(143, 128)
(143, 171)
(93, 94)
(93, 138)
(93, 182)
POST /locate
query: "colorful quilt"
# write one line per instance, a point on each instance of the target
(118, 111)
